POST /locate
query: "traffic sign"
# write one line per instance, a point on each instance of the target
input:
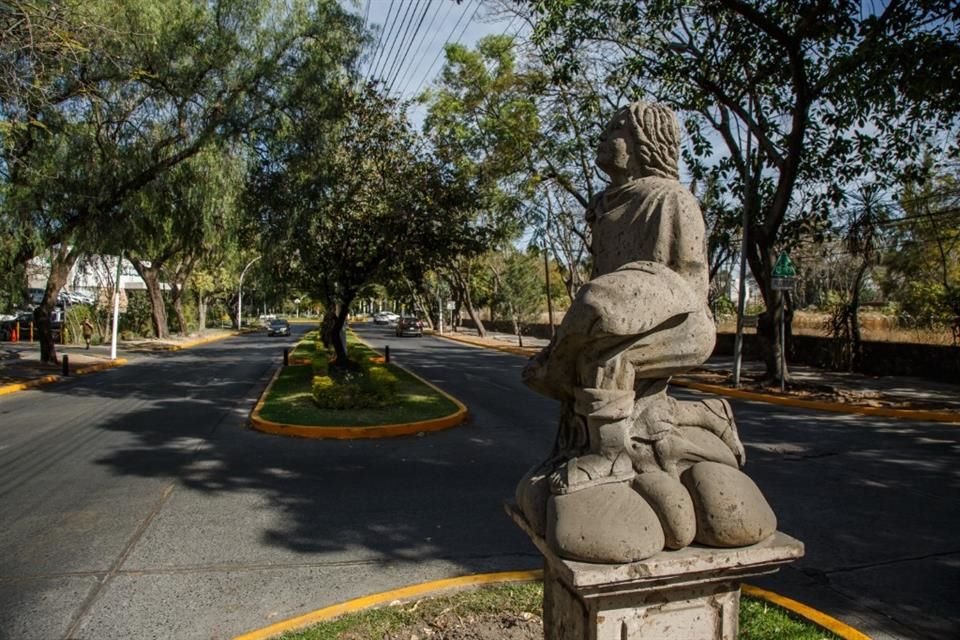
(782, 284)
(784, 267)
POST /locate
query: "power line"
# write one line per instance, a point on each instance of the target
(405, 48)
(411, 70)
(366, 16)
(410, 46)
(378, 51)
(404, 24)
(439, 53)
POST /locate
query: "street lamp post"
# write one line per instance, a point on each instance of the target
(240, 293)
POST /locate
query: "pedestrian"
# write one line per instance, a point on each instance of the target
(87, 331)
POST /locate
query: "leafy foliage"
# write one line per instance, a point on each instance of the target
(807, 97)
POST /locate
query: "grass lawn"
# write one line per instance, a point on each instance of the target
(289, 400)
(513, 607)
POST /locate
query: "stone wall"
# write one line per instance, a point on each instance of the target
(937, 362)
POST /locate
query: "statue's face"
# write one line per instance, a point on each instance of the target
(614, 149)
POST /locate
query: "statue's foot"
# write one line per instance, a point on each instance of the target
(716, 416)
(590, 470)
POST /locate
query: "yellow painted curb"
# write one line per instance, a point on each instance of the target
(886, 412)
(818, 618)
(79, 371)
(836, 407)
(358, 433)
(526, 352)
(431, 588)
(386, 597)
(200, 341)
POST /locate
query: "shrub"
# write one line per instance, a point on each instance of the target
(381, 383)
(365, 389)
(330, 394)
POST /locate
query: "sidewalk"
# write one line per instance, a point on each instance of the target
(20, 365)
(818, 387)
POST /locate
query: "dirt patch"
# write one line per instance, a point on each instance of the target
(449, 625)
(817, 392)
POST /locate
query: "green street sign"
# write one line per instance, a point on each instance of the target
(784, 267)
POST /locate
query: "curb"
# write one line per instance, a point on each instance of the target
(112, 364)
(200, 341)
(79, 371)
(335, 432)
(435, 587)
(526, 352)
(818, 618)
(886, 412)
(835, 407)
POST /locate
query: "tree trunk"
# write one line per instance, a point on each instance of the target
(332, 331)
(761, 259)
(517, 327)
(201, 313)
(60, 264)
(546, 276)
(856, 346)
(339, 339)
(327, 324)
(176, 299)
(158, 310)
(334, 323)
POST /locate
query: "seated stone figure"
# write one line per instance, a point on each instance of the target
(635, 471)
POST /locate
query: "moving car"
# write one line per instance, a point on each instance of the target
(278, 327)
(409, 326)
(385, 317)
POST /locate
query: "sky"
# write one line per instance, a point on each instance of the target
(408, 53)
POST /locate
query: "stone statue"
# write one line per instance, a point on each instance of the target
(634, 471)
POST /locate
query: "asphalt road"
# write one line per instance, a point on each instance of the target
(135, 503)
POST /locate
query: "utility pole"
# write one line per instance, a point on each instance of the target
(240, 293)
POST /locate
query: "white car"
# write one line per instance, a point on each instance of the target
(385, 317)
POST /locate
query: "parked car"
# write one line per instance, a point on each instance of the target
(409, 326)
(74, 297)
(278, 327)
(385, 317)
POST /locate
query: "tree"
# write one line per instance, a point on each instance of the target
(520, 287)
(863, 242)
(806, 97)
(484, 127)
(924, 270)
(349, 199)
(107, 116)
(176, 220)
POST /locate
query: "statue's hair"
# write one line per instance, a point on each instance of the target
(656, 130)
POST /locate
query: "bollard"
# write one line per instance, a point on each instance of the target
(31, 331)
(286, 357)
(66, 365)
(386, 353)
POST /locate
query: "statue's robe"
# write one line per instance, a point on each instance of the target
(647, 300)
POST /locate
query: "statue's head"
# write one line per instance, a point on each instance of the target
(641, 140)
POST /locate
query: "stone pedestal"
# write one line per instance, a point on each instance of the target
(689, 594)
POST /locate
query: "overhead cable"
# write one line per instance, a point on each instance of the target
(443, 48)
(381, 41)
(425, 48)
(406, 52)
(403, 48)
(391, 56)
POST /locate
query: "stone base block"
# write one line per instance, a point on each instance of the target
(691, 593)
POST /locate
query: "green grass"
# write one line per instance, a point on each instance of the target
(289, 400)
(759, 620)
(306, 349)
